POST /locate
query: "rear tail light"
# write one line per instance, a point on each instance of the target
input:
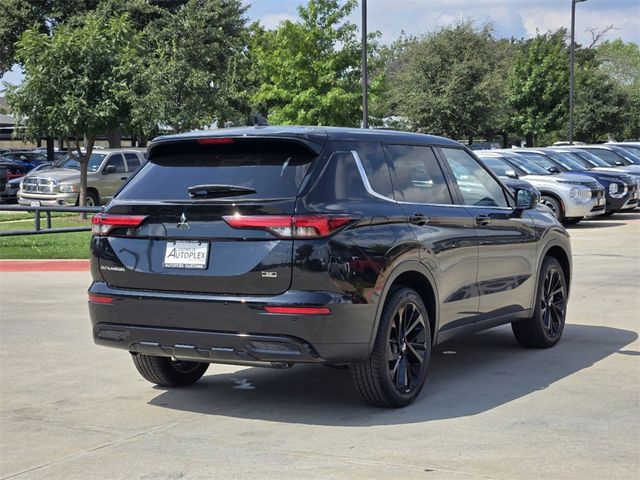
(298, 310)
(103, 223)
(291, 226)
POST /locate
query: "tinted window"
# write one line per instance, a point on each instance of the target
(529, 166)
(133, 162)
(116, 161)
(607, 155)
(476, 185)
(566, 161)
(418, 176)
(375, 165)
(273, 169)
(499, 167)
(70, 162)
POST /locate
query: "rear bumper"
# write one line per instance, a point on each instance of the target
(227, 329)
(205, 346)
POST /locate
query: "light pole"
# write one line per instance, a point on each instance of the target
(572, 66)
(365, 81)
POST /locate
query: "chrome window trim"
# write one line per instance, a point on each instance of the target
(365, 179)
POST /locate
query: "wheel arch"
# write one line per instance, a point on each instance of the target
(556, 197)
(561, 255)
(417, 276)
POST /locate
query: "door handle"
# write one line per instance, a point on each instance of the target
(483, 220)
(419, 219)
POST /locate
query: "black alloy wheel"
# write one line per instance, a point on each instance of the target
(396, 370)
(552, 303)
(545, 327)
(406, 352)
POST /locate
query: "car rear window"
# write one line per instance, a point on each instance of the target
(274, 169)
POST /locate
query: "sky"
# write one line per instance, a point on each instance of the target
(511, 18)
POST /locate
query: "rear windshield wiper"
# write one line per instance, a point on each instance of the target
(208, 191)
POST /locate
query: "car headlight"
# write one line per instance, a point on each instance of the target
(580, 194)
(613, 188)
(68, 189)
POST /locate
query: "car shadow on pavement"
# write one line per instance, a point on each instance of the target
(466, 377)
(586, 224)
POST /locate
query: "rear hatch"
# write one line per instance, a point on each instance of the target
(187, 197)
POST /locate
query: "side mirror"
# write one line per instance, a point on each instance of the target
(110, 169)
(526, 199)
(511, 173)
(553, 170)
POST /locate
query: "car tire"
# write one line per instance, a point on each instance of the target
(92, 199)
(572, 220)
(545, 327)
(168, 373)
(554, 205)
(396, 370)
(609, 213)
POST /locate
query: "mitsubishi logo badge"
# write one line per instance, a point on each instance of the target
(183, 225)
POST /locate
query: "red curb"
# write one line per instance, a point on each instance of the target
(44, 265)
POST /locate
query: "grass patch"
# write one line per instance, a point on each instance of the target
(13, 216)
(53, 245)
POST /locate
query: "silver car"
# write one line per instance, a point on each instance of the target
(571, 197)
(59, 184)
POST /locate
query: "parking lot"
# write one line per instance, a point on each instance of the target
(491, 409)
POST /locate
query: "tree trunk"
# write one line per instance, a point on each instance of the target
(50, 149)
(529, 137)
(115, 139)
(84, 164)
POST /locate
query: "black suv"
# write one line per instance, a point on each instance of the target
(280, 245)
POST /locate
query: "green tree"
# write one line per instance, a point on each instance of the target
(194, 68)
(621, 62)
(600, 105)
(77, 82)
(538, 88)
(44, 15)
(450, 81)
(310, 69)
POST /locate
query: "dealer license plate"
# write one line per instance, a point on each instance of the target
(186, 254)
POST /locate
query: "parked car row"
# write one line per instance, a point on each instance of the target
(575, 182)
(31, 180)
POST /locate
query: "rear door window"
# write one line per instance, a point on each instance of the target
(133, 162)
(418, 177)
(267, 169)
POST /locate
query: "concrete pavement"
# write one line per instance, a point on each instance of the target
(72, 410)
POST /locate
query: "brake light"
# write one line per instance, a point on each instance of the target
(100, 299)
(215, 141)
(290, 226)
(298, 310)
(103, 223)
